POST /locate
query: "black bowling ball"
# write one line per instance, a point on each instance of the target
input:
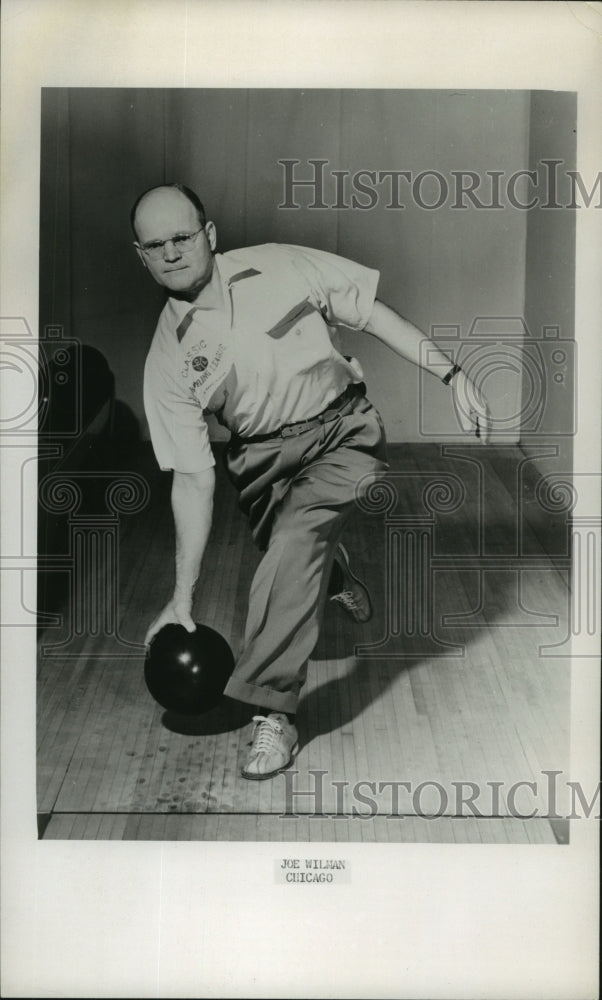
(186, 672)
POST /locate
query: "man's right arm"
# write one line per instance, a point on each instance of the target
(192, 505)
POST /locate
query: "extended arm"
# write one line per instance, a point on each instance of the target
(192, 505)
(411, 343)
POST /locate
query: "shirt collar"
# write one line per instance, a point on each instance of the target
(230, 271)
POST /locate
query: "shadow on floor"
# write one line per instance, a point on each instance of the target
(227, 716)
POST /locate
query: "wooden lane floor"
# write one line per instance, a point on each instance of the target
(497, 714)
(267, 827)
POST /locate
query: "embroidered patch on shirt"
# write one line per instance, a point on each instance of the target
(206, 363)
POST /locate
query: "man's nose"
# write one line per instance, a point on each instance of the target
(170, 251)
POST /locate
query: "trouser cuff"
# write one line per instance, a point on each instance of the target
(263, 697)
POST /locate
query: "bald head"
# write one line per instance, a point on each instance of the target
(164, 198)
(174, 241)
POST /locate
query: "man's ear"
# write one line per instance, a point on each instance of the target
(140, 253)
(211, 234)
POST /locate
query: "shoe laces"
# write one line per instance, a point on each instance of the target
(347, 599)
(265, 734)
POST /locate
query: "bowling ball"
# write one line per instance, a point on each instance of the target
(186, 672)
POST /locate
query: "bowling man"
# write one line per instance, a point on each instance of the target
(246, 335)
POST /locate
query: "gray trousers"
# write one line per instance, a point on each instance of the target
(297, 493)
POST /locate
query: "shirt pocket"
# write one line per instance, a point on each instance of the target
(294, 316)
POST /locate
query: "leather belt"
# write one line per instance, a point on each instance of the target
(331, 412)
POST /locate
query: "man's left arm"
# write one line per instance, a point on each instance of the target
(411, 343)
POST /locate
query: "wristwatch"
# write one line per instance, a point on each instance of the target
(453, 371)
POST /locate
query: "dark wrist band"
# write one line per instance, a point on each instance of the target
(453, 371)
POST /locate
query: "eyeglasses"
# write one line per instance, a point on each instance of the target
(183, 243)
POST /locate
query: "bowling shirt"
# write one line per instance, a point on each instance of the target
(266, 359)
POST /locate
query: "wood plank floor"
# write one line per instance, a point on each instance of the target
(113, 765)
(267, 827)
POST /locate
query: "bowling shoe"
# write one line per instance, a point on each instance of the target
(346, 590)
(274, 745)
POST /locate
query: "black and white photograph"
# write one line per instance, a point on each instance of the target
(305, 475)
(300, 452)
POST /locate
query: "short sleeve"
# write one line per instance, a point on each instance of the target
(177, 426)
(344, 290)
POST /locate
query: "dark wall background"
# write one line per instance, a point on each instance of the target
(550, 272)
(101, 147)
